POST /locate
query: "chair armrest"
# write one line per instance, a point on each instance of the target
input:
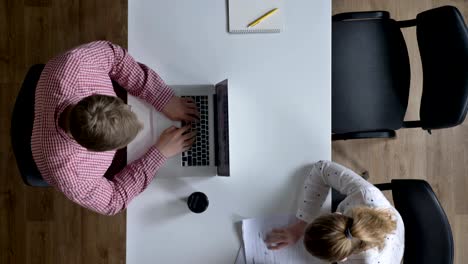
(364, 135)
(361, 15)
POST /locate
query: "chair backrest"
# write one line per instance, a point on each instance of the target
(428, 235)
(443, 45)
(21, 128)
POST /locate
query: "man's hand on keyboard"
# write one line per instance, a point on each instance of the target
(181, 109)
(175, 140)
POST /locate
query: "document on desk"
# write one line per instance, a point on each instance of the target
(254, 232)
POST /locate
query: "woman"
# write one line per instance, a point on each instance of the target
(365, 228)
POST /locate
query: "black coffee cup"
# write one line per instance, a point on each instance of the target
(197, 202)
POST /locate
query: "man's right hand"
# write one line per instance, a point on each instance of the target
(175, 140)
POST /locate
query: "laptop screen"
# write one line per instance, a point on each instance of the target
(222, 128)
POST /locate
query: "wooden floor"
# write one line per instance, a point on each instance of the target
(440, 158)
(41, 226)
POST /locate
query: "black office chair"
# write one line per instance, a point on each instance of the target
(21, 128)
(371, 72)
(428, 235)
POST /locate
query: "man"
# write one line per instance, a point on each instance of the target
(79, 123)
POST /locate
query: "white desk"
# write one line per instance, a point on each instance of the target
(279, 117)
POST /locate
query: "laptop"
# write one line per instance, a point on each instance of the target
(209, 155)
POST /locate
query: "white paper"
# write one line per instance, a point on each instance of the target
(254, 232)
(240, 256)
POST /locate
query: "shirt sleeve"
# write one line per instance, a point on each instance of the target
(138, 79)
(110, 197)
(323, 175)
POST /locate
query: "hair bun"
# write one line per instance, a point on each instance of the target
(347, 231)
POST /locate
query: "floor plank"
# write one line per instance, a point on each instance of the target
(40, 245)
(39, 225)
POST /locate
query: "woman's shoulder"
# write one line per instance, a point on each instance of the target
(368, 196)
(391, 253)
(394, 247)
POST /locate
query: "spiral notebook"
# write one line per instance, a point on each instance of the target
(243, 12)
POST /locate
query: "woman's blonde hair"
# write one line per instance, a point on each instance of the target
(334, 237)
(102, 123)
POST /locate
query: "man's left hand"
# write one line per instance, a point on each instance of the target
(181, 109)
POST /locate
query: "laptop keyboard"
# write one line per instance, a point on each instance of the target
(199, 154)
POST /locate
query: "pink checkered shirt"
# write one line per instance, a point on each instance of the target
(63, 163)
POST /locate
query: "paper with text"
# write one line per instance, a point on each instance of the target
(254, 232)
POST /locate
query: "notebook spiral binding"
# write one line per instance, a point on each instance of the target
(246, 31)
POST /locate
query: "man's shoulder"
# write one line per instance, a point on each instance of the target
(56, 159)
(75, 57)
(53, 149)
(64, 65)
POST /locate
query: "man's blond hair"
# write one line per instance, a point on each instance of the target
(102, 123)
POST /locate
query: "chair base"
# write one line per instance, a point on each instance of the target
(364, 135)
(35, 182)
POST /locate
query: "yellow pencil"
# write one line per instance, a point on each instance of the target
(260, 19)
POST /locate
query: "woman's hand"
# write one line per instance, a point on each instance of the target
(175, 140)
(283, 237)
